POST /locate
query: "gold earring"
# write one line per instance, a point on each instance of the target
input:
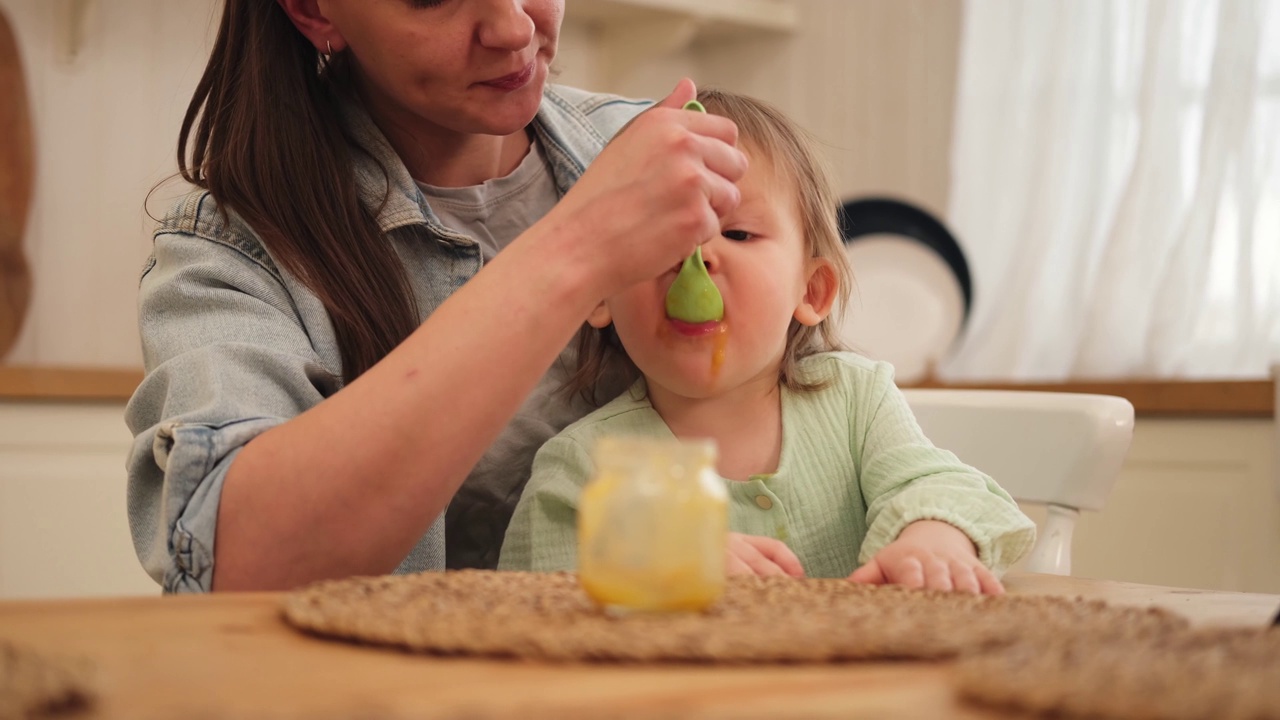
(328, 48)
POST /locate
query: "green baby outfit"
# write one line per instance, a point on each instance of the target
(854, 470)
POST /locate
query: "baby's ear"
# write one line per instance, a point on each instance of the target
(820, 293)
(600, 317)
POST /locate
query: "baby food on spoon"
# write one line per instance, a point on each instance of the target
(695, 308)
(693, 297)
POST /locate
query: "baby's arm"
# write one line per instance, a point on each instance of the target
(930, 554)
(932, 521)
(543, 534)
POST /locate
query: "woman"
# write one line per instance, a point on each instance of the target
(334, 343)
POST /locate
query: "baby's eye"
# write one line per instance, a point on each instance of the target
(736, 235)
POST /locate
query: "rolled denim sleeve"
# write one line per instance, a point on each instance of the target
(227, 357)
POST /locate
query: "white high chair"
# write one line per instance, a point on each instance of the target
(1060, 449)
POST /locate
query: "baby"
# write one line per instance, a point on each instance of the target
(828, 473)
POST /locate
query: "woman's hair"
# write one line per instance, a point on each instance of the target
(787, 149)
(264, 138)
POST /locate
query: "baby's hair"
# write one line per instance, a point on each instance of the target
(771, 137)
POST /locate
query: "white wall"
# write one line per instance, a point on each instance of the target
(106, 125)
(1197, 504)
(872, 80)
(63, 528)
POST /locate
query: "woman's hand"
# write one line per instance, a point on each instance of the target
(755, 555)
(655, 193)
(933, 555)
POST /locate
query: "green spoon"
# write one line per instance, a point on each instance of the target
(693, 297)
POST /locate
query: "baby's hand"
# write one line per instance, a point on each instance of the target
(930, 554)
(756, 555)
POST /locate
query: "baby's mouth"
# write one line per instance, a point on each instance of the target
(689, 329)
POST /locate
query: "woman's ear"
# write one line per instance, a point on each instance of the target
(600, 317)
(819, 294)
(311, 22)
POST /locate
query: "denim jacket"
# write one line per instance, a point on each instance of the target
(233, 345)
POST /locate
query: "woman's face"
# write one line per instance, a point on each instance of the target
(463, 66)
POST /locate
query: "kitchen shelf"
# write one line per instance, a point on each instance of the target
(713, 18)
(633, 32)
(19, 383)
(1170, 398)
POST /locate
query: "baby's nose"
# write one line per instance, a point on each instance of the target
(710, 256)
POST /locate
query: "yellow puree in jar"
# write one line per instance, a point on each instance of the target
(651, 551)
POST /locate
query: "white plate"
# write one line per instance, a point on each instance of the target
(907, 307)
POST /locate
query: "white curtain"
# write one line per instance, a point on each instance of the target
(1116, 187)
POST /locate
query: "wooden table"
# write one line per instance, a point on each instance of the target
(230, 656)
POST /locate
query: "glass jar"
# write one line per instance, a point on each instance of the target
(653, 525)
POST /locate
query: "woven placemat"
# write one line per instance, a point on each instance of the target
(34, 685)
(1179, 674)
(548, 617)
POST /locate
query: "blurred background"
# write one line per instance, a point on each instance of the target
(1041, 193)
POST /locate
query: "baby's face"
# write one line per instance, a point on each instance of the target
(760, 264)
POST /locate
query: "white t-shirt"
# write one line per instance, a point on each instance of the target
(496, 211)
